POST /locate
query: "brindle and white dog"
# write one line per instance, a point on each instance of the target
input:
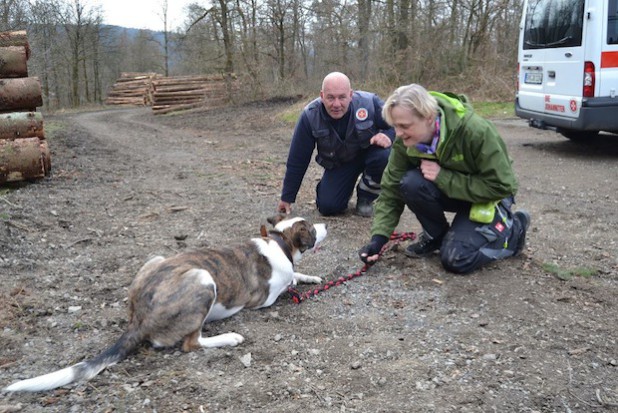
(170, 299)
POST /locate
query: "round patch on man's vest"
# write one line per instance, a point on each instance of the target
(361, 114)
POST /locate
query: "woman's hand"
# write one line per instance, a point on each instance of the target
(430, 169)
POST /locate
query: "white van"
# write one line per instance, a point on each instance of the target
(568, 66)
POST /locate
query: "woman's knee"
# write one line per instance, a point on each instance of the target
(458, 260)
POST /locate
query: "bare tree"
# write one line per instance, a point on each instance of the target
(13, 15)
(334, 37)
(74, 21)
(277, 13)
(95, 47)
(248, 34)
(364, 21)
(287, 43)
(166, 36)
(220, 14)
(42, 35)
(224, 23)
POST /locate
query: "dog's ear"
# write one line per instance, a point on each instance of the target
(263, 231)
(274, 220)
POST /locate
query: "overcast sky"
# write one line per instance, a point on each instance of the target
(143, 14)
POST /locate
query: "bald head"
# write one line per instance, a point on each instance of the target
(336, 94)
(336, 79)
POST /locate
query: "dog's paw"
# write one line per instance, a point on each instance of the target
(306, 279)
(232, 339)
(222, 340)
(314, 279)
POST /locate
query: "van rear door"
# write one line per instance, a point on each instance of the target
(552, 57)
(608, 80)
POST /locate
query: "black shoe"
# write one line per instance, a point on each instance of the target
(524, 222)
(364, 207)
(424, 246)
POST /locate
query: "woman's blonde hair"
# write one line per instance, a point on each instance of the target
(413, 97)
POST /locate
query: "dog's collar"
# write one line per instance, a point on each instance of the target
(278, 238)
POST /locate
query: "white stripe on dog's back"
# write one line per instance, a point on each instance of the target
(282, 269)
(202, 275)
(217, 311)
(274, 254)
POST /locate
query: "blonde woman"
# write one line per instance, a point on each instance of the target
(447, 158)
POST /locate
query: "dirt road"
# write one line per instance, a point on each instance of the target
(537, 333)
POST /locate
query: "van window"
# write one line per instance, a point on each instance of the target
(554, 23)
(612, 22)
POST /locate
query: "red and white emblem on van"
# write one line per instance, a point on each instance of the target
(573, 105)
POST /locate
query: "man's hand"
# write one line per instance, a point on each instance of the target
(380, 139)
(430, 169)
(284, 207)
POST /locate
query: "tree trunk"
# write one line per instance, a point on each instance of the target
(20, 94)
(85, 77)
(22, 159)
(364, 19)
(227, 43)
(13, 61)
(21, 125)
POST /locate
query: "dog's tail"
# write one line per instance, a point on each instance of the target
(84, 370)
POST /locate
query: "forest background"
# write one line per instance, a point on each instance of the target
(277, 47)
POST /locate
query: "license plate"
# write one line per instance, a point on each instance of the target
(533, 78)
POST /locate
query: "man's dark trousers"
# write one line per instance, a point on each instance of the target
(334, 190)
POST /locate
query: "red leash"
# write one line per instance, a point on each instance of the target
(395, 238)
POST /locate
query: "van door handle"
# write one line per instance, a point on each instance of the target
(551, 73)
(568, 54)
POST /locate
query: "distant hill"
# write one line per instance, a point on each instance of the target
(132, 33)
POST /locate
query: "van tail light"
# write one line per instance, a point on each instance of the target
(588, 80)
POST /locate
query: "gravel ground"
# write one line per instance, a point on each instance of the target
(536, 333)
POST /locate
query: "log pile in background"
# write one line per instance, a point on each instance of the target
(134, 89)
(24, 153)
(176, 93)
(172, 93)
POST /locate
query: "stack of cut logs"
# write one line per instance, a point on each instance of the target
(24, 153)
(133, 89)
(189, 92)
(172, 93)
